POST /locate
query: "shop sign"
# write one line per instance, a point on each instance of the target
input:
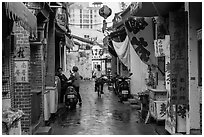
(179, 60)
(162, 46)
(21, 71)
(176, 66)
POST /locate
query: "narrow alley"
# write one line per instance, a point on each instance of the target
(100, 116)
(148, 55)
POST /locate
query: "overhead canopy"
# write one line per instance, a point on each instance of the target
(150, 9)
(17, 11)
(145, 9)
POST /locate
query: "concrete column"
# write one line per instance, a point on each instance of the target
(50, 68)
(194, 23)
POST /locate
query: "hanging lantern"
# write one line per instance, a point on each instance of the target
(105, 11)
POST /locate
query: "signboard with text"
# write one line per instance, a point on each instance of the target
(21, 71)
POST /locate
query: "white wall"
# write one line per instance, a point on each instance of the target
(195, 20)
(83, 63)
(139, 70)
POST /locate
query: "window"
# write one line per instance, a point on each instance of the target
(85, 21)
(85, 16)
(81, 11)
(86, 26)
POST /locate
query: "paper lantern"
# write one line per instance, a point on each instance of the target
(105, 11)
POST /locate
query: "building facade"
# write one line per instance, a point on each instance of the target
(84, 16)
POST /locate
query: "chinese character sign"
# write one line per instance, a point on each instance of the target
(179, 59)
(21, 71)
(161, 46)
(140, 33)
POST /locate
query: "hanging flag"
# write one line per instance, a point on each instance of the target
(140, 33)
(123, 51)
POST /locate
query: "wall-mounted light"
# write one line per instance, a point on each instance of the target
(44, 41)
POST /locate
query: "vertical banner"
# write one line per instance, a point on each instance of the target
(170, 121)
(140, 33)
(178, 100)
(161, 46)
(179, 59)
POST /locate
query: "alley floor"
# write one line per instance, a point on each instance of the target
(100, 116)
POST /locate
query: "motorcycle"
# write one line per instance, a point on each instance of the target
(124, 88)
(115, 83)
(70, 97)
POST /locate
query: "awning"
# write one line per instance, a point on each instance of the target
(77, 43)
(150, 9)
(82, 39)
(17, 11)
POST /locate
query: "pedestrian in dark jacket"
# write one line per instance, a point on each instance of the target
(64, 83)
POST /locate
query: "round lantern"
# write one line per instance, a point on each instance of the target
(105, 11)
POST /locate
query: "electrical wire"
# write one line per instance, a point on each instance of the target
(87, 24)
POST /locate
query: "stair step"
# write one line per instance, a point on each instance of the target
(126, 102)
(135, 107)
(44, 131)
(133, 101)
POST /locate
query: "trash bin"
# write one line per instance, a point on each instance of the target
(46, 105)
(53, 99)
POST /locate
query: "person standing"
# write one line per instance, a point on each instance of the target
(76, 82)
(64, 85)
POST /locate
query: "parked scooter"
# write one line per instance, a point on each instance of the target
(124, 88)
(70, 97)
(115, 83)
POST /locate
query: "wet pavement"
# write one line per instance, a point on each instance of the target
(100, 116)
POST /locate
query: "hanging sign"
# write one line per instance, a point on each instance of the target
(161, 46)
(140, 33)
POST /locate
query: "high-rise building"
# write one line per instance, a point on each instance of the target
(84, 16)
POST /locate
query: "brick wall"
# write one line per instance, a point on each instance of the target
(37, 78)
(36, 66)
(22, 91)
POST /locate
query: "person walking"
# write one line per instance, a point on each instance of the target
(76, 82)
(98, 74)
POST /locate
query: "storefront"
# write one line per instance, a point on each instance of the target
(174, 23)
